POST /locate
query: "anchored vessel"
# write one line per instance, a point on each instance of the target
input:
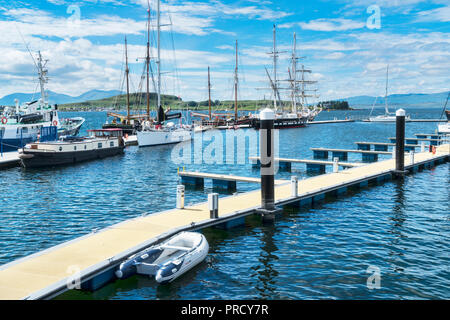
(102, 143)
(168, 260)
(159, 132)
(22, 124)
(387, 116)
(299, 113)
(445, 128)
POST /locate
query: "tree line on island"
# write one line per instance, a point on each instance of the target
(139, 101)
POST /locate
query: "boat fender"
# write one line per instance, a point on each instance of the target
(128, 268)
(55, 123)
(4, 120)
(166, 272)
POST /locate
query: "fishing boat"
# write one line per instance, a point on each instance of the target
(299, 113)
(68, 149)
(169, 260)
(155, 132)
(387, 116)
(21, 124)
(445, 128)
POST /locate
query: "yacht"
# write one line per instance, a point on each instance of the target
(387, 116)
(159, 131)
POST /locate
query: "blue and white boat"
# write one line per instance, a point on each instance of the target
(169, 260)
(22, 124)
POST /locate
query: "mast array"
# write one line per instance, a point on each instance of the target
(209, 95)
(127, 72)
(147, 59)
(236, 80)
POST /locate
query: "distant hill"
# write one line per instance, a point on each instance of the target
(58, 98)
(409, 100)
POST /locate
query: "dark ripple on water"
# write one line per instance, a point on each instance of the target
(315, 253)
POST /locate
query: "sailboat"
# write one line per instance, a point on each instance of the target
(25, 123)
(159, 132)
(293, 118)
(445, 128)
(127, 123)
(387, 116)
(224, 120)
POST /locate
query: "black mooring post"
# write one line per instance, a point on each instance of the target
(268, 209)
(400, 142)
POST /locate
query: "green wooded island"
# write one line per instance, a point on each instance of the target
(138, 101)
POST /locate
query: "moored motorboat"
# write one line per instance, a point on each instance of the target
(68, 149)
(168, 260)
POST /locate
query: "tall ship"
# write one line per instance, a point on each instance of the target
(22, 124)
(159, 131)
(298, 113)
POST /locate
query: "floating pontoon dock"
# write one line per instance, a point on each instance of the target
(92, 259)
(9, 159)
(221, 181)
(285, 164)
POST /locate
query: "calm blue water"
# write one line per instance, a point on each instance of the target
(402, 228)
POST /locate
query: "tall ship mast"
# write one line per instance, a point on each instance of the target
(297, 88)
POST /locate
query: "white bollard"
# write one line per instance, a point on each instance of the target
(335, 164)
(294, 186)
(213, 205)
(393, 152)
(422, 146)
(180, 196)
(411, 157)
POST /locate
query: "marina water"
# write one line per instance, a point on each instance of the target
(397, 230)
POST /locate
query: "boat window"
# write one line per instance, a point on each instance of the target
(112, 144)
(85, 147)
(24, 130)
(100, 145)
(74, 147)
(60, 148)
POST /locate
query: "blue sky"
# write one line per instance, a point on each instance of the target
(347, 44)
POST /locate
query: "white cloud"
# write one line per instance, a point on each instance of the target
(338, 24)
(441, 14)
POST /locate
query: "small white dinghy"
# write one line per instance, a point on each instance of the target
(168, 260)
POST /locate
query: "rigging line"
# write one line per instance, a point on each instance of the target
(445, 106)
(121, 82)
(26, 45)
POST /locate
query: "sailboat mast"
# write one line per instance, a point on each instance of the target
(148, 63)
(274, 69)
(236, 85)
(42, 77)
(159, 51)
(209, 95)
(127, 72)
(385, 96)
(294, 75)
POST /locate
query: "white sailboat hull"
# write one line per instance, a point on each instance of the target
(161, 137)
